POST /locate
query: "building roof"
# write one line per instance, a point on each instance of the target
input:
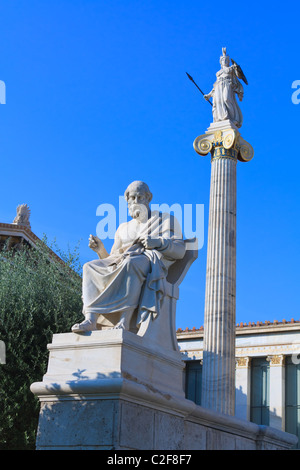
(17, 234)
(245, 328)
(17, 231)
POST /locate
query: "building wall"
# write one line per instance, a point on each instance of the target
(267, 372)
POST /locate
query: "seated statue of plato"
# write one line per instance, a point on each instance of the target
(131, 279)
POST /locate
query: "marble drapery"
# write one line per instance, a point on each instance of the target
(224, 100)
(132, 276)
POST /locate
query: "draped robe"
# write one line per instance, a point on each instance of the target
(132, 276)
(224, 101)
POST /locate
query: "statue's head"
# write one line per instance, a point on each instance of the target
(224, 59)
(138, 197)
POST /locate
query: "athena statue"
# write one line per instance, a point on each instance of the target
(224, 90)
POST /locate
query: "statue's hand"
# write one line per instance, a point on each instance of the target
(95, 243)
(206, 97)
(150, 243)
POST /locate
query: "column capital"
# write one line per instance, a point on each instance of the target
(243, 362)
(223, 140)
(276, 360)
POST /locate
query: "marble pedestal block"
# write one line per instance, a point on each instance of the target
(102, 359)
(114, 390)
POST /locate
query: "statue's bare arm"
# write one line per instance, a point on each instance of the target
(209, 95)
(150, 243)
(97, 245)
(117, 244)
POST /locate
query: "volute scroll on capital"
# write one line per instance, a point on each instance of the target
(227, 139)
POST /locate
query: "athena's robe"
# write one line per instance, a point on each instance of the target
(224, 100)
(132, 276)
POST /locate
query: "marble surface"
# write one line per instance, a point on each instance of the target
(225, 89)
(114, 390)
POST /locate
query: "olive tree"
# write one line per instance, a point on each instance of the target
(40, 294)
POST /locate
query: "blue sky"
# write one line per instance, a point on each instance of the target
(97, 96)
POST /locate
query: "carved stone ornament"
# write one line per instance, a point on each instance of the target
(277, 360)
(243, 362)
(228, 139)
(23, 215)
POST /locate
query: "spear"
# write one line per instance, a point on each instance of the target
(192, 80)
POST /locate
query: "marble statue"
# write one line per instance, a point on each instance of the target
(132, 277)
(225, 89)
(23, 215)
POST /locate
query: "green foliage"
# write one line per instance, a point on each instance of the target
(39, 296)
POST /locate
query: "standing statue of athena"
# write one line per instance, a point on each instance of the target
(224, 90)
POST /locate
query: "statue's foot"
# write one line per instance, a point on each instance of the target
(86, 325)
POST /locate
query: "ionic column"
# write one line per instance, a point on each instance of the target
(277, 391)
(242, 387)
(218, 375)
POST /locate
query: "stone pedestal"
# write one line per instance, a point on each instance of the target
(226, 146)
(102, 359)
(96, 379)
(115, 390)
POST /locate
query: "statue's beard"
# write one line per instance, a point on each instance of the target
(138, 212)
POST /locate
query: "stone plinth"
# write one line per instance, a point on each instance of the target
(114, 390)
(97, 359)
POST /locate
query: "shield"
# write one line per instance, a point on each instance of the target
(239, 73)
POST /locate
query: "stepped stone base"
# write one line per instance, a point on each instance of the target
(113, 390)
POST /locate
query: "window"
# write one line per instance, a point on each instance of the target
(292, 397)
(193, 381)
(260, 385)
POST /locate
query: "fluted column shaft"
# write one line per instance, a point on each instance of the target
(218, 376)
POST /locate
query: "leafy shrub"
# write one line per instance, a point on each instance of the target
(39, 296)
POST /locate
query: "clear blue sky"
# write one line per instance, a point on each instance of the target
(97, 96)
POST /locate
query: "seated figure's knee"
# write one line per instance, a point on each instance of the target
(139, 264)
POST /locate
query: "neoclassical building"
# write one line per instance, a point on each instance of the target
(267, 371)
(18, 234)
